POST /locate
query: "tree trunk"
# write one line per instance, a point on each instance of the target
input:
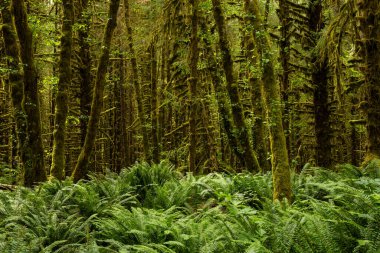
(368, 20)
(15, 75)
(319, 77)
(283, 15)
(33, 156)
(61, 108)
(272, 103)
(258, 128)
(85, 79)
(193, 63)
(323, 130)
(153, 78)
(222, 101)
(81, 167)
(136, 83)
(250, 159)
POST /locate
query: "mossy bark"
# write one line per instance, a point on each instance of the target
(81, 168)
(33, 156)
(283, 15)
(319, 79)
(224, 108)
(84, 68)
(61, 108)
(258, 128)
(193, 63)
(15, 74)
(136, 83)
(241, 131)
(273, 105)
(154, 98)
(259, 133)
(368, 22)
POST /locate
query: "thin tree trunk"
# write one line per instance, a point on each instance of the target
(136, 83)
(250, 159)
(81, 167)
(193, 63)
(283, 15)
(84, 69)
(61, 108)
(123, 141)
(153, 74)
(272, 103)
(33, 155)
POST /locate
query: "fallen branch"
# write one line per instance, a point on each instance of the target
(7, 187)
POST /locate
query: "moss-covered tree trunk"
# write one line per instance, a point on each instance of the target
(84, 68)
(368, 22)
(154, 98)
(193, 63)
(259, 133)
(250, 159)
(258, 128)
(15, 74)
(61, 108)
(283, 15)
(81, 167)
(33, 155)
(136, 83)
(319, 79)
(224, 108)
(273, 104)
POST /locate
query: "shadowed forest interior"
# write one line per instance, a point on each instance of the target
(236, 107)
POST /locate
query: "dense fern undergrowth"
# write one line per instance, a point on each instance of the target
(155, 209)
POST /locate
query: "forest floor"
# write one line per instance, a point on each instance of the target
(156, 209)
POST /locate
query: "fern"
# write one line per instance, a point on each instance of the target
(152, 208)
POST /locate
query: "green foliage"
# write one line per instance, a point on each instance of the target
(151, 208)
(7, 175)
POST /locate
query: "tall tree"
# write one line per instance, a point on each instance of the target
(320, 80)
(61, 108)
(84, 66)
(81, 167)
(154, 98)
(136, 82)
(250, 159)
(283, 15)
(15, 74)
(193, 63)
(368, 21)
(33, 155)
(258, 129)
(272, 102)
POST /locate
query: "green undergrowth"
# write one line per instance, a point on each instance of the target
(155, 209)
